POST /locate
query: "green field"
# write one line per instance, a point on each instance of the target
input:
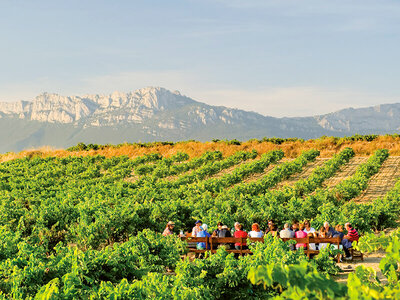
(90, 227)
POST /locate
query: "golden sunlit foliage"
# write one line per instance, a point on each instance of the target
(326, 145)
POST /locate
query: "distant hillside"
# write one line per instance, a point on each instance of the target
(154, 114)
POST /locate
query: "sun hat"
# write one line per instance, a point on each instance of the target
(171, 223)
(224, 227)
(204, 226)
(198, 221)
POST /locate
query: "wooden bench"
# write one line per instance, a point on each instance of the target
(356, 253)
(212, 243)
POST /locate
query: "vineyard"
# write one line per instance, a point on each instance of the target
(86, 222)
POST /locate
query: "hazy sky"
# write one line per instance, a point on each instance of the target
(279, 58)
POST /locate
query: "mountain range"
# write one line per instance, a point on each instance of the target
(157, 114)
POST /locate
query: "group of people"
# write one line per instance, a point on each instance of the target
(295, 230)
(302, 230)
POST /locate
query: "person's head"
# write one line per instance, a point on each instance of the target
(326, 225)
(204, 226)
(274, 227)
(301, 226)
(286, 226)
(198, 223)
(339, 228)
(171, 225)
(270, 224)
(238, 226)
(347, 226)
(307, 223)
(219, 225)
(322, 232)
(224, 227)
(295, 225)
(255, 227)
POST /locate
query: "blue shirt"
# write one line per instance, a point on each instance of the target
(202, 234)
(331, 232)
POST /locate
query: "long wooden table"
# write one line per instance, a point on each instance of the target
(212, 243)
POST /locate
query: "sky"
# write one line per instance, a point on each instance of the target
(277, 58)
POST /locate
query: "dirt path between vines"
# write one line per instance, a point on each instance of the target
(216, 175)
(257, 176)
(307, 170)
(370, 260)
(231, 169)
(345, 171)
(383, 181)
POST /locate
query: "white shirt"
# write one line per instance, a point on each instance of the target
(312, 230)
(286, 233)
(256, 234)
(195, 231)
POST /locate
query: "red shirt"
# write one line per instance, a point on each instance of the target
(353, 235)
(240, 234)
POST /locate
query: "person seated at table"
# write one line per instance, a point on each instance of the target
(255, 231)
(322, 234)
(338, 233)
(196, 228)
(311, 232)
(286, 232)
(239, 233)
(330, 232)
(295, 226)
(225, 233)
(348, 239)
(300, 234)
(269, 226)
(216, 231)
(274, 230)
(203, 233)
(169, 229)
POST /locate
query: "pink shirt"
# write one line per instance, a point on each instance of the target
(167, 232)
(300, 235)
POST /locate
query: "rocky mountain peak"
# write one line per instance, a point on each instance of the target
(155, 113)
(97, 109)
(366, 119)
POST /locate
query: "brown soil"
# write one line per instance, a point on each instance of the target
(230, 169)
(370, 260)
(307, 170)
(345, 171)
(383, 181)
(217, 175)
(175, 177)
(257, 176)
